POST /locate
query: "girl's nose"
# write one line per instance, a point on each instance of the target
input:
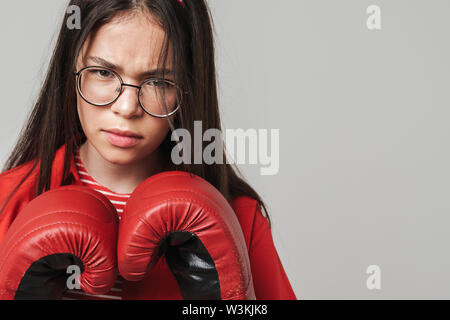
(127, 105)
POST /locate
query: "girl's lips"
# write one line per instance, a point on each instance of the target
(121, 141)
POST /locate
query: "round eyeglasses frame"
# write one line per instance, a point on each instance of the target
(123, 84)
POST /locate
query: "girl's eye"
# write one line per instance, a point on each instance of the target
(157, 83)
(105, 74)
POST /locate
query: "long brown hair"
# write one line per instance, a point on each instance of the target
(54, 119)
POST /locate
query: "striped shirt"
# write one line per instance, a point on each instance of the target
(119, 201)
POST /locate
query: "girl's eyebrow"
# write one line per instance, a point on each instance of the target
(110, 65)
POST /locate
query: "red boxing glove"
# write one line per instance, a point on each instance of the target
(186, 219)
(68, 226)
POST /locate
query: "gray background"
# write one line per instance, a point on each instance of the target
(363, 118)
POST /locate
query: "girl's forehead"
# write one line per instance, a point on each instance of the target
(135, 42)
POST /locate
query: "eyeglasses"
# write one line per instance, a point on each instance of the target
(101, 86)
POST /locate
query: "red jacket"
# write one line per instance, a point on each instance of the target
(269, 278)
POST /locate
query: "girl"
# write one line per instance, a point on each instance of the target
(115, 91)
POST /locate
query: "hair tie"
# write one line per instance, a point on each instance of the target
(181, 3)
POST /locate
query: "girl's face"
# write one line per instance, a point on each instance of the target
(133, 46)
